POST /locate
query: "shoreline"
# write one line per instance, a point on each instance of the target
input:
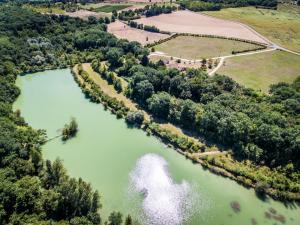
(151, 129)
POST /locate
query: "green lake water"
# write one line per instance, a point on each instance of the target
(121, 163)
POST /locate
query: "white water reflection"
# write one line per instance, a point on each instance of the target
(165, 202)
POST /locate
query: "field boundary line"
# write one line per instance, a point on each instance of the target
(250, 28)
(219, 57)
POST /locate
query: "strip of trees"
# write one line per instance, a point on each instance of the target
(148, 11)
(215, 5)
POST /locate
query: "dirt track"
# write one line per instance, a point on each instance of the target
(195, 23)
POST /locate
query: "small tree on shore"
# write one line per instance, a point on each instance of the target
(128, 220)
(135, 118)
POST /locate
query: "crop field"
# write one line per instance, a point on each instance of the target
(281, 26)
(189, 47)
(121, 30)
(195, 23)
(259, 71)
(110, 8)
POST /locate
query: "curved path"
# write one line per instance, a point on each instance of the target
(222, 58)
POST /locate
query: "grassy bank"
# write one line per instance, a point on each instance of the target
(281, 26)
(259, 71)
(272, 181)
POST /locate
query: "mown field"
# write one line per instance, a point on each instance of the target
(189, 47)
(259, 71)
(281, 26)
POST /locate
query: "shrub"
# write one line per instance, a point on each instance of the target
(135, 118)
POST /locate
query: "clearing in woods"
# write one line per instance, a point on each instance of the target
(259, 71)
(281, 26)
(191, 47)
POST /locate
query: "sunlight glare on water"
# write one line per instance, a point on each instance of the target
(165, 202)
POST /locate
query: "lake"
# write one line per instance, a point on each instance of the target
(135, 173)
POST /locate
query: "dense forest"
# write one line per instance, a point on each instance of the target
(34, 191)
(213, 5)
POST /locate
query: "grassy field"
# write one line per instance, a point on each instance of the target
(110, 8)
(281, 26)
(189, 47)
(259, 71)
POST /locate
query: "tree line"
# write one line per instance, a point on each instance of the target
(148, 11)
(215, 5)
(144, 27)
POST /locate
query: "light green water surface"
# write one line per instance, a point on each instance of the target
(105, 151)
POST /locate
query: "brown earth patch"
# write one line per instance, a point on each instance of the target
(84, 14)
(121, 30)
(194, 23)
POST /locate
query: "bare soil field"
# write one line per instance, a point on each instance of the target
(122, 30)
(84, 14)
(195, 23)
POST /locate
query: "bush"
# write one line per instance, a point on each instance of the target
(135, 118)
(151, 29)
(118, 85)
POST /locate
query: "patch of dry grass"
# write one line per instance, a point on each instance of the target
(124, 31)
